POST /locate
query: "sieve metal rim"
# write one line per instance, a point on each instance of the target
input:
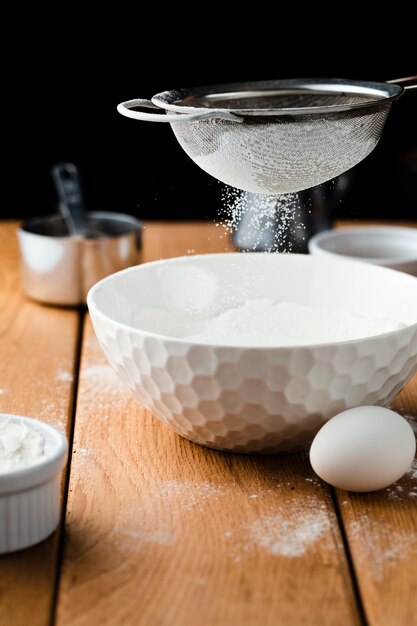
(383, 94)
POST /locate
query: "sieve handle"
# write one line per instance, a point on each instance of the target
(125, 109)
(405, 79)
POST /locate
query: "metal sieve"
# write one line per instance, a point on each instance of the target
(276, 136)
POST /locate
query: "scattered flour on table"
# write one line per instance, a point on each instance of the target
(171, 500)
(102, 372)
(162, 518)
(400, 545)
(83, 451)
(50, 399)
(290, 530)
(189, 494)
(100, 387)
(314, 480)
(56, 413)
(64, 376)
(288, 536)
(412, 472)
(162, 536)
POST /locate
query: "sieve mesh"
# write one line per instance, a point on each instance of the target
(282, 154)
(275, 137)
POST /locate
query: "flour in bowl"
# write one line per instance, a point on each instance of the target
(264, 322)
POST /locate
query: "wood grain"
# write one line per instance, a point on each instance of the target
(161, 532)
(166, 239)
(37, 360)
(382, 531)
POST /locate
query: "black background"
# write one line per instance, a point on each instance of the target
(62, 82)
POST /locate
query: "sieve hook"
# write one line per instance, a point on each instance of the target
(125, 109)
(405, 79)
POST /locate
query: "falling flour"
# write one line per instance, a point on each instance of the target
(264, 322)
(268, 220)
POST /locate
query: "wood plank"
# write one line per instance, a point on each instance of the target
(162, 240)
(382, 527)
(382, 532)
(37, 357)
(162, 532)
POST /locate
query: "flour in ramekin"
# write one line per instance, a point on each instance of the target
(20, 446)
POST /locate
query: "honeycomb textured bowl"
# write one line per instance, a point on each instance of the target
(253, 399)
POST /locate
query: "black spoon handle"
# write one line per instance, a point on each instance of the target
(68, 186)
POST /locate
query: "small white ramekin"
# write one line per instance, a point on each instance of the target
(30, 497)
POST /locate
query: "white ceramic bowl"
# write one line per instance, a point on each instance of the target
(30, 497)
(394, 247)
(250, 399)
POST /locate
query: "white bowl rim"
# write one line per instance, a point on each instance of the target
(27, 477)
(315, 243)
(96, 311)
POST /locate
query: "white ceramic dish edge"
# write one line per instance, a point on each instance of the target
(329, 242)
(30, 497)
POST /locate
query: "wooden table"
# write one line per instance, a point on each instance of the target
(161, 532)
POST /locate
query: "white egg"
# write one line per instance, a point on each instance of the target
(363, 449)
